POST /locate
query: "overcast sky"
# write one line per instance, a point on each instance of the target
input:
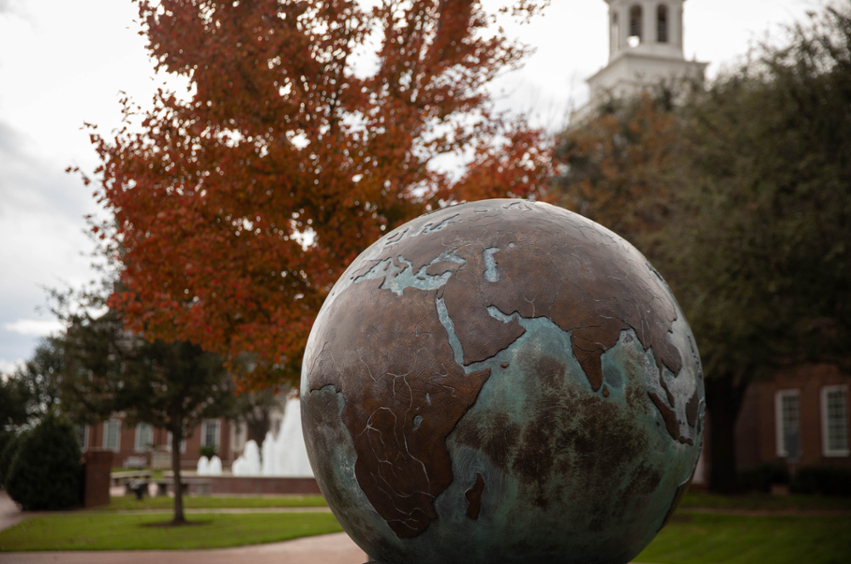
(63, 63)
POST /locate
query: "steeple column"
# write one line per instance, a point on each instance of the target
(623, 9)
(614, 32)
(648, 23)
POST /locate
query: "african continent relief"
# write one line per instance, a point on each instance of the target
(502, 381)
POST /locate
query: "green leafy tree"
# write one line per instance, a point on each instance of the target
(762, 248)
(173, 386)
(30, 391)
(14, 397)
(741, 196)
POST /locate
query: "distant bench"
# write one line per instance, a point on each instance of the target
(127, 477)
(134, 481)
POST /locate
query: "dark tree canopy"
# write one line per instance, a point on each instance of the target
(741, 196)
(14, 397)
(33, 389)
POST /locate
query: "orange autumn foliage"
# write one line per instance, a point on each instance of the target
(621, 166)
(310, 129)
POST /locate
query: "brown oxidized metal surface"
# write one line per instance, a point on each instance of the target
(495, 368)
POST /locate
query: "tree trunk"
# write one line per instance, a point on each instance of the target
(179, 518)
(723, 400)
(258, 424)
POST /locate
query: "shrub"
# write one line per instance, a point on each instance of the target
(208, 451)
(822, 480)
(760, 478)
(46, 472)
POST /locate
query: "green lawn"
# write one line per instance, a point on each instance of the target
(764, 502)
(104, 531)
(693, 538)
(129, 502)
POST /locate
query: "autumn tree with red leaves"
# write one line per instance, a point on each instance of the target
(309, 130)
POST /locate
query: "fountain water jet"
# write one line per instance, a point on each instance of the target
(284, 456)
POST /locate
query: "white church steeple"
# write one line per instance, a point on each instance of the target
(645, 47)
(648, 26)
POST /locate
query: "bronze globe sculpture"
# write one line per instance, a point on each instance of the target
(502, 382)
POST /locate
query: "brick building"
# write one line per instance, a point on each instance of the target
(144, 446)
(800, 417)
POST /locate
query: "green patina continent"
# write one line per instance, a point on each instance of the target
(470, 274)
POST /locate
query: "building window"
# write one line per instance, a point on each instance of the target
(182, 443)
(662, 23)
(144, 437)
(635, 26)
(210, 433)
(82, 436)
(112, 435)
(834, 421)
(788, 423)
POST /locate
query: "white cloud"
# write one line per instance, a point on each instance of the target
(35, 327)
(7, 367)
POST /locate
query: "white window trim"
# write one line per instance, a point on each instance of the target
(218, 441)
(139, 446)
(85, 444)
(824, 422)
(778, 419)
(106, 435)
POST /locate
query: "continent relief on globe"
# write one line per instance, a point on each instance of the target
(464, 279)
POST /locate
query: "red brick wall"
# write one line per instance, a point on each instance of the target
(96, 479)
(756, 431)
(262, 485)
(749, 432)
(188, 459)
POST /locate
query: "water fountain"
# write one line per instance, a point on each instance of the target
(203, 466)
(284, 455)
(215, 468)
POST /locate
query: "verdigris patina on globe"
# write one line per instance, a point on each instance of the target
(502, 382)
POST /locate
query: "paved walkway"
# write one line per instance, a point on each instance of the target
(225, 510)
(9, 513)
(324, 549)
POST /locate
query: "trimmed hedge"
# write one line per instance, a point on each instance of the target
(46, 473)
(9, 443)
(822, 480)
(760, 478)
